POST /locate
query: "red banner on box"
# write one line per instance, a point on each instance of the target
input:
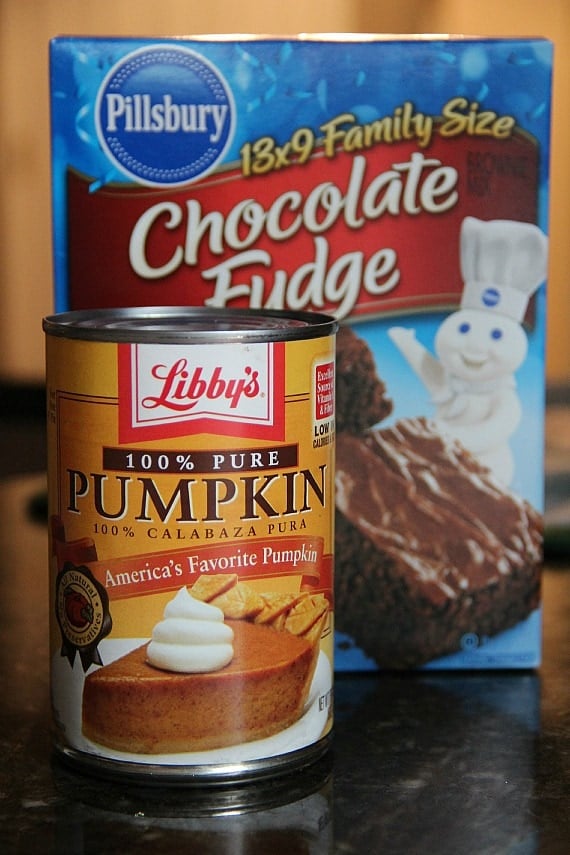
(363, 233)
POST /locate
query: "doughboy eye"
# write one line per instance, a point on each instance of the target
(496, 334)
(464, 328)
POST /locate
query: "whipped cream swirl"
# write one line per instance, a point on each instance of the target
(192, 638)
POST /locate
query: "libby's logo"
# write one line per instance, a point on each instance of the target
(184, 388)
(229, 388)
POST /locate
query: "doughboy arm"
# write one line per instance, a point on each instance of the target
(426, 366)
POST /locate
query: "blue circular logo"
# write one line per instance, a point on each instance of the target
(165, 116)
(469, 641)
(491, 297)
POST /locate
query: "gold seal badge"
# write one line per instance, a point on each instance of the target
(82, 611)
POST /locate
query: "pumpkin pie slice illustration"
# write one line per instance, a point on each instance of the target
(225, 666)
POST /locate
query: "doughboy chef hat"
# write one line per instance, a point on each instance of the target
(503, 262)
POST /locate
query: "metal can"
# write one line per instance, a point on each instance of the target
(191, 507)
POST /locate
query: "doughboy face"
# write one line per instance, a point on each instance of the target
(478, 346)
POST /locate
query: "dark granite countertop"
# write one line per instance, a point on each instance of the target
(449, 764)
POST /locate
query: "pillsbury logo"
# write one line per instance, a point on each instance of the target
(491, 297)
(164, 116)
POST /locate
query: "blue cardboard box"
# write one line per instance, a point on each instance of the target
(400, 184)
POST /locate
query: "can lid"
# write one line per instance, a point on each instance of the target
(191, 325)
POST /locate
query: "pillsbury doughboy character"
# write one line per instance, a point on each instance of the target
(480, 346)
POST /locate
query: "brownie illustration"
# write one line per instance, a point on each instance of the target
(361, 398)
(430, 547)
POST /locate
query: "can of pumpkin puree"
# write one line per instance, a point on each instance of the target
(191, 507)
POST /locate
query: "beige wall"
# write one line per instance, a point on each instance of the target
(27, 25)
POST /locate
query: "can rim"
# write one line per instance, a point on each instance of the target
(188, 324)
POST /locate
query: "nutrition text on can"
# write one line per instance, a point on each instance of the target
(191, 505)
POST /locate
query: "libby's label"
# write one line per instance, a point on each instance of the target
(173, 479)
(166, 390)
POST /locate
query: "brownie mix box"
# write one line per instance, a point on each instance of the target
(399, 184)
